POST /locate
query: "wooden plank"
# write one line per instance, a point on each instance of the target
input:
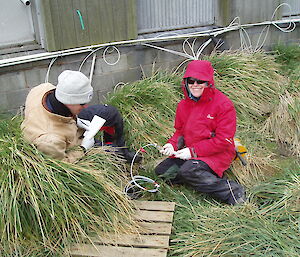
(155, 205)
(120, 24)
(81, 24)
(107, 17)
(66, 28)
(131, 19)
(157, 228)
(151, 241)
(158, 216)
(81, 250)
(94, 21)
(48, 10)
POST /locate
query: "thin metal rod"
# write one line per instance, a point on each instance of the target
(212, 32)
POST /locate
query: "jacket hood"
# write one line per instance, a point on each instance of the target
(202, 70)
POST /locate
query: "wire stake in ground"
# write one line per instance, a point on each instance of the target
(137, 184)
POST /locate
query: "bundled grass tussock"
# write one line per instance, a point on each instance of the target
(267, 226)
(252, 82)
(288, 57)
(284, 123)
(148, 108)
(260, 166)
(46, 204)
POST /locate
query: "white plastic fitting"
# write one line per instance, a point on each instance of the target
(25, 2)
(95, 125)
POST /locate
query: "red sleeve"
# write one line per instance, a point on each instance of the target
(224, 134)
(179, 124)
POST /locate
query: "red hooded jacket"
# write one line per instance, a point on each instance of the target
(207, 125)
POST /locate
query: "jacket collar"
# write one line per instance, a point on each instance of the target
(54, 106)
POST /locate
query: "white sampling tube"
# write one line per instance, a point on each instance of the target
(95, 125)
(91, 129)
(25, 2)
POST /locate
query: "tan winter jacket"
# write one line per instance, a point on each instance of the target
(52, 134)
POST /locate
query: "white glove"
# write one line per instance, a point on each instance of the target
(184, 154)
(167, 149)
(87, 143)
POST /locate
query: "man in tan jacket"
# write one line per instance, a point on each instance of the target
(50, 116)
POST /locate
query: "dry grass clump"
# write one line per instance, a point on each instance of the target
(148, 108)
(259, 168)
(251, 80)
(284, 123)
(46, 203)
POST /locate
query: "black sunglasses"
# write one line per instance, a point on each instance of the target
(82, 104)
(192, 81)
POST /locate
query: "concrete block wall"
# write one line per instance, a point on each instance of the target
(134, 63)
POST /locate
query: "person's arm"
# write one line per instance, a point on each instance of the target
(179, 123)
(56, 147)
(224, 134)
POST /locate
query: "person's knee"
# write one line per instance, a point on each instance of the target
(158, 170)
(197, 172)
(167, 169)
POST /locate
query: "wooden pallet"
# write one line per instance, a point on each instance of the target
(155, 219)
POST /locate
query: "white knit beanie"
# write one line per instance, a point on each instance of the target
(73, 88)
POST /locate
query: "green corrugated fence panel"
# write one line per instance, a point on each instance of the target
(75, 23)
(48, 25)
(107, 23)
(66, 25)
(95, 28)
(81, 17)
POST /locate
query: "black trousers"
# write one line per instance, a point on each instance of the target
(202, 178)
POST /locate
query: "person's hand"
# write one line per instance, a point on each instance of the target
(167, 149)
(87, 143)
(184, 154)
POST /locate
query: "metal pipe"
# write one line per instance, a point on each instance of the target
(93, 67)
(207, 33)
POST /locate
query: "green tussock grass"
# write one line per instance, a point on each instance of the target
(288, 58)
(46, 204)
(284, 123)
(266, 226)
(252, 82)
(148, 108)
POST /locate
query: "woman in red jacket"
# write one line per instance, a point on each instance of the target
(202, 147)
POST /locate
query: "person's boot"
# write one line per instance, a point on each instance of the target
(239, 194)
(129, 155)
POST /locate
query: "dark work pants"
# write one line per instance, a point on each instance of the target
(200, 177)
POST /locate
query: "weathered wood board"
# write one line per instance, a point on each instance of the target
(155, 220)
